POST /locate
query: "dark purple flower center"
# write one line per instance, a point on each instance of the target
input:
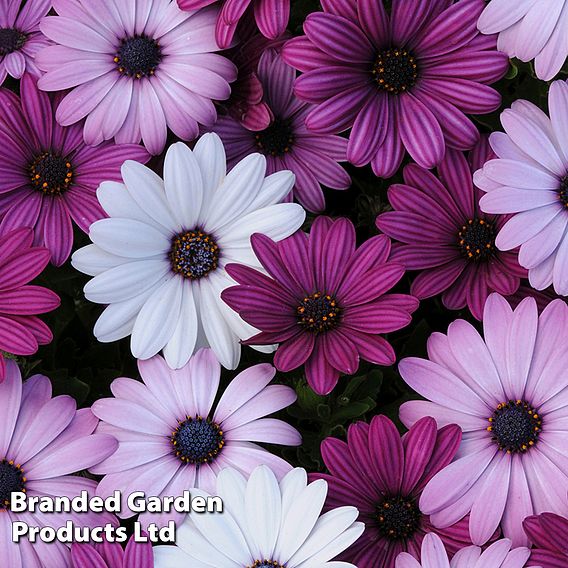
(194, 254)
(515, 426)
(11, 40)
(398, 517)
(277, 139)
(138, 56)
(11, 479)
(563, 191)
(197, 440)
(266, 564)
(395, 70)
(51, 174)
(318, 312)
(477, 239)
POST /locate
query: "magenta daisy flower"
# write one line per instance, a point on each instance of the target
(49, 177)
(42, 441)
(20, 38)
(170, 437)
(444, 234)
(136, 68)
(271, 16)
(111, 555)
(400, 80)
(383, 476)
(287, 143)
(549, 535)
(325, 301)
(21, 331)
(509, 394)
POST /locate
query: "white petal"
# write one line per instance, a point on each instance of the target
(210, 154)
(92, 260)
(274, 189)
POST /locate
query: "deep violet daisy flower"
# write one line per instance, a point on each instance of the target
(111, 555)
(42, 441)
(287, 143)
(21, 331)
(325, 302)
(137, 68)
(433, 555)
(509, 394)
(172, 439)
(20, 38)
(383, 476)
(49, 176)
(444, 234)
(404, 79)
(271, 16)
(549, 535)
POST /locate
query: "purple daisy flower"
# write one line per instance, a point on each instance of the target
(445, 234)
(21, 331)
(271, 17)
(111, 555)
(42, 441)
(325, 302)
(383, 475)
(135, 69)
(509, 394)
(549, 534)
(49, 177)
(400, 80)
(171, 439)
(287, 143)
(20, 38)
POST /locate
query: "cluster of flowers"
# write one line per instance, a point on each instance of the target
(214, 253)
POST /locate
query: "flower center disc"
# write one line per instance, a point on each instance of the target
(197, 440)
(515, 426)
(51, 174)
(477, 239)
(266, 564)
(275, 140)
(193, 254)
(398, 518)
(138, 56)
(563, 191)
(11, 40)
(318, 312)
(395, 70)
(11, 479)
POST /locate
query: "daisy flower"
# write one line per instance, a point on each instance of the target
(21, 331)
(529, 179)
(20, 38)
(325, 301)
(159, 261)
(549, 535)
(111, 555)
(271, 17)
(171, 438)
(383, 476)
(509, 394)
(286, 142)
(42, 441)
(499, 555)
(444, 234)
(136, 68)
(50, 176)
(530, 30)
(265, 524)
(403, 80)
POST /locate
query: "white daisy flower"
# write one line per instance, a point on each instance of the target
(159, 260)
(264, 524)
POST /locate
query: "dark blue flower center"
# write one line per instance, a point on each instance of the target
(197, 440)
(194, 254)
(476, 239)
(138, 56)
(266, 564)
(11, 40)
(398, 517)
(395, 70)
(563, 191)
(277, 139)
(51, 173)
(11, 479)
(515, 426)
(318, 312)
